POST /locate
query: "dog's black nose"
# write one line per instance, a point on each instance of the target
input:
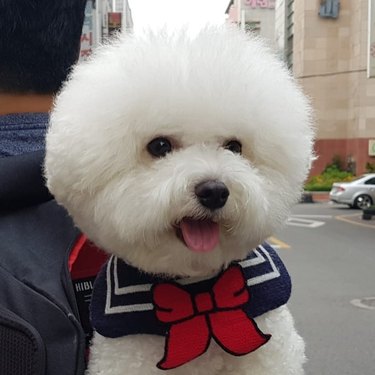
(212, 194)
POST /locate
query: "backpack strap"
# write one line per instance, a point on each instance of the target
(22, 183)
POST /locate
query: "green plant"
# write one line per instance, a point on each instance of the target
(370, 167)
(335, 164)
(323, 182)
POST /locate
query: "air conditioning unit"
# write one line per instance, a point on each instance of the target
(329, 8)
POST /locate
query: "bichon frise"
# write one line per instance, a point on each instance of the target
(180, 155)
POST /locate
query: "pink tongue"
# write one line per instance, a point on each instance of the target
(201, 236)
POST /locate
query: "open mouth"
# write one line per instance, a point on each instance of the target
(198, 235)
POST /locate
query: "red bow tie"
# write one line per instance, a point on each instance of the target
(196, 318)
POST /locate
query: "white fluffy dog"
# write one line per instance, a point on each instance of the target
(179, 156)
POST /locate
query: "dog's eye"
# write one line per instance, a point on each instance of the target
(234, 146)
(159, 147)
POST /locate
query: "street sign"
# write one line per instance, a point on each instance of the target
(371, 147)
(87, 33)
(269, 4)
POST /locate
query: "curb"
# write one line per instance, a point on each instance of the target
(315, 197)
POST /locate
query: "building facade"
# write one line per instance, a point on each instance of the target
(257, 16)
(103, 18)
(331, 57)
(284, 29)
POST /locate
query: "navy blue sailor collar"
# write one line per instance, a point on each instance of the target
(122, 301)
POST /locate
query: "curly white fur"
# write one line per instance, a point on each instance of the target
(200, 92)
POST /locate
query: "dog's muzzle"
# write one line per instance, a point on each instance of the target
(212, 194)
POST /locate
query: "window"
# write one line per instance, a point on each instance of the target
(329, 8)
(371, 181)
(252, 26)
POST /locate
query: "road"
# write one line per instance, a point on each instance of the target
(330, 254)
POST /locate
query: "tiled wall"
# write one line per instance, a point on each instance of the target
(357, 148)
(330, 61)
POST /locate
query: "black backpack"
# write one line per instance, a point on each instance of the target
(40, 329)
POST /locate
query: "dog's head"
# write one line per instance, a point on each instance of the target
(179, 154)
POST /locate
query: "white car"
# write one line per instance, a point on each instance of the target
(359, 193)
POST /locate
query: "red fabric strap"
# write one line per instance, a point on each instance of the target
(85, 259)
